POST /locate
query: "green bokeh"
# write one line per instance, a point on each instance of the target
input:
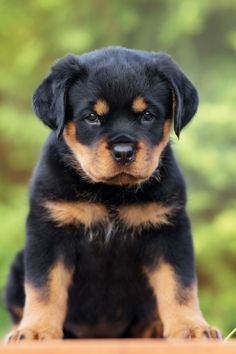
(201, 36)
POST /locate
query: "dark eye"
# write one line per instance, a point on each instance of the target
(147, 117)
(93, 119)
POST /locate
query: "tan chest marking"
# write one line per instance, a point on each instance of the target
(66, 213)
(145, 215)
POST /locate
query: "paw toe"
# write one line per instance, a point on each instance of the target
(32, 334)
(195, 331)
(20, 335)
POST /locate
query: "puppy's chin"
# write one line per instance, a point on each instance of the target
(120, 179)
(123, 179)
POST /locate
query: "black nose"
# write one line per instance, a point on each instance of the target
(123, 153)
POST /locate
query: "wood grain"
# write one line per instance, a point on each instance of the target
(139, 346)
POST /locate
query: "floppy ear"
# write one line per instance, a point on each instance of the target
(49, 99)
(184, 94)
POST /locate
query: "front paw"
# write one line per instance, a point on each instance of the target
(194, 331)
(33, 333)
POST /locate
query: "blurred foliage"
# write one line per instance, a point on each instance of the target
(201, 36)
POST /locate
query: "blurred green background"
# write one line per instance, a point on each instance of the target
(201, 36)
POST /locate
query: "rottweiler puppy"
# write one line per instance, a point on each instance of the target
(108, 248)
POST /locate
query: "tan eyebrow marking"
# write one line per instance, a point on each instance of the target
(139, 104)
(101, 107)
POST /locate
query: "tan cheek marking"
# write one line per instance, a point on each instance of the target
(101, 107)
(89, 160)
(152, 155)
(81, 152)
(178, 307)
(66, 213)
(139, 105)
(145, 215)
(165, 139)
(45, 309)
(103, 164)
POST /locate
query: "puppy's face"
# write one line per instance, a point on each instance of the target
(119, 122)
(118, 108)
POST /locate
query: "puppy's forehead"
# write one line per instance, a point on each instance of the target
(118, 86)
(101, 106)
(116, 65)
(118, 78)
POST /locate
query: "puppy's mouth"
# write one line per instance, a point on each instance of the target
(119, 178)
(124, 178)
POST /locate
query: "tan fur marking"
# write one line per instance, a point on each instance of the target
(14, 327)
(166, 135)
(81, 152)
(45, 309)
(152, 329)
(88, 214)
(139, 104)
(153, 155)
(18, 311)
(178, 307)
(146, 215)
(101, 107)
(96, 163)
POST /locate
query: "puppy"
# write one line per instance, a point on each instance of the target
(108, 248)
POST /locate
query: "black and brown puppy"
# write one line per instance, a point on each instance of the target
(109, 249)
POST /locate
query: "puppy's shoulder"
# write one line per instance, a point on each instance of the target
(53, 174)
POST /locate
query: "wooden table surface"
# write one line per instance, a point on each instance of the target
(124, 346)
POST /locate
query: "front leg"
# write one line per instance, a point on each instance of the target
(175, 286)
(178, 306)
(48, 277)
(45, 307)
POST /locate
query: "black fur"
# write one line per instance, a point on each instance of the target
(108, 283)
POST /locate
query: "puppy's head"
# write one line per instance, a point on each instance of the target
(115, 108)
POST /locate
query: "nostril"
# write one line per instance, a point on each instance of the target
(130, 154)
(118, 155)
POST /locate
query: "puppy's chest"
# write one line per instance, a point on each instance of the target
(106, 219)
